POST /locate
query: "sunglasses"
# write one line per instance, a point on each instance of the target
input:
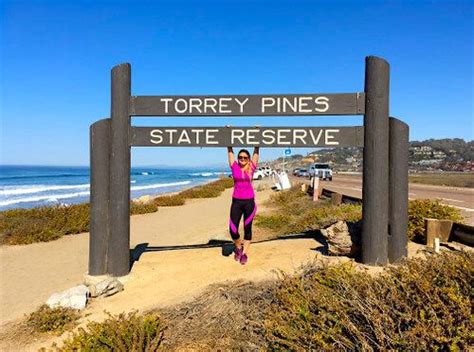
(243, 157)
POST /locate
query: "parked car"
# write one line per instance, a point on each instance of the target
(323, 171)
(267, 170)
(303, 173)
(258, 174)
(296, 171)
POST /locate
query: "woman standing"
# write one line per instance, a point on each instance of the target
(243, 200)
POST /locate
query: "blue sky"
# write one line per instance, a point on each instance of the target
(56, 58)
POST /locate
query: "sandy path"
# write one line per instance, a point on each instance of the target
(161, 277)
(31, 273)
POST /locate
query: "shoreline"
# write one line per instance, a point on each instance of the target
(151, 195)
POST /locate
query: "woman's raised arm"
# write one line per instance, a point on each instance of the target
(230, 155)
(255, 156)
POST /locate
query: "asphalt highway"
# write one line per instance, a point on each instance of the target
(458, 197)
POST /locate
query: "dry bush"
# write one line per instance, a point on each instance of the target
(169, 201)
(205, 191)
(131, 332)
(142, 208)
(420, 209)
(225, 317)
(42, 224)
(294, 211)
(46, 319)
(423, 304)
(209, 190)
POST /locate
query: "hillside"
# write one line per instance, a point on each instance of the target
(430, 155)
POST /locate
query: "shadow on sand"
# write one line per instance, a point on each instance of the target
(227, 245)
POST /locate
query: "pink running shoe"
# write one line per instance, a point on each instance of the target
(237, 254)
(243, 259)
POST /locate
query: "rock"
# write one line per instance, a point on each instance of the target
(107, 287)
(90, 280)
(341, 241)
(75, 297)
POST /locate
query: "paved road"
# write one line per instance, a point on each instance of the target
(458, 197)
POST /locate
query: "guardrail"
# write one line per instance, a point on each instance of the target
(461, 233)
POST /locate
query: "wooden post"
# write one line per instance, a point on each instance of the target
(119, 240)
(99, 196)
(376, 158)
(398, 196)
(315, 185)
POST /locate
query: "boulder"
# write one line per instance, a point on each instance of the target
(75, 297)
(105, 288)
(341, 240)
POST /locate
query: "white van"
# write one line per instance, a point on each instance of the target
(323, 171)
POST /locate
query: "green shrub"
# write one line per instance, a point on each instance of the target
(201, 192)
(142, 208)
(274, 222)
(131, 332)
(42, 224)
(226, 182)
(420, 209)
(420, 305)
(308, 217)
(46, 319)
(169, 201)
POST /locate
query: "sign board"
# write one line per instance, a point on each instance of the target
(385, 143)
(249, 105)
(279, 137)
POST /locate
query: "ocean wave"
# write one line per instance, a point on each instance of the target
(42, 176)
(207, 174)
(47, 198)
(57, 197)
(143, 173)
(28, 189)
(160, 185)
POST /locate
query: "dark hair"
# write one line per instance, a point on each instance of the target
(244, 151)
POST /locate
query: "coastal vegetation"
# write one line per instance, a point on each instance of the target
(43, 224)
(294, 212)
(420, 209)
(56, 320)
(420, 304)
(123, 332)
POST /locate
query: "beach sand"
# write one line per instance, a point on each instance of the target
(162, 276)
(169, 271)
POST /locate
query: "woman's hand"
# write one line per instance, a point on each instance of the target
(230, 155)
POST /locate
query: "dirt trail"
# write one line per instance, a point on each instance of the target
(31, 273)
(170, 270)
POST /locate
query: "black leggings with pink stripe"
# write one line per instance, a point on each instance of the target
(239, 207)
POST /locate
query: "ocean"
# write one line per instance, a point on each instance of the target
(33, 186)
